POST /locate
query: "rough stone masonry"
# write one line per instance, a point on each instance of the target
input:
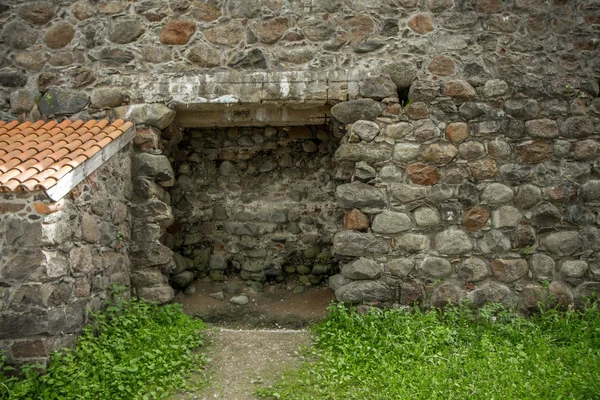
(464, 136)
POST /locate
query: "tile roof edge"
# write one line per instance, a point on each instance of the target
(82, 171)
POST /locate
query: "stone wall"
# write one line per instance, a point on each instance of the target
(58, 259)
(259, 201)
(479, 193)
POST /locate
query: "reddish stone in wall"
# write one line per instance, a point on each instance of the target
(271, 30)
(177, 32)
(534, 151)
(418, 110)
(488, 6)
(59, 35)
(204, 12)
(423, 174)
(483, 169)
(475, 218)
(460, 90)
(421, 23)
(441, 65)
(356, 221)
(457, 132)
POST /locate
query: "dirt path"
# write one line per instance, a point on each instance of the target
(244, 360)
(249, 345)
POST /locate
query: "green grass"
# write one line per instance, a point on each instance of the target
(134, 350)
(455, 354)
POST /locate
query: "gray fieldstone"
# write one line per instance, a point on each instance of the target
(559, 295)
(354, 110)
(157, 294)
(542, 128)
(446, 294)
(62, 102)
(157, 167)
(426, 216)
(366, 130)
(406, 151)
(408, 193)
(542, 267)
(156, 115)
(399, 130)
(369, 153)
(528, 196)
(435, 267)
(545, 215)
(359, 195)
(25, 38)
(573, 268)
(506, 216)
(124, 30)
(453, 241)
(23, 100)
(378, 87)
(412, 291)
(471, 150)
(439, 153)
(473, 269)
(183, 279)
(364, 172)
(337, 281)
(402, 73)
(586, 293)
(590, 191)
(497, 193)
(107, 97)
(495, 88)
(351, 243)
(563, 243)
(239, 300)
(412, 242)
(491, 293)
(363, 268)
(495, 242)
(577, 127)
(507, 271)
(401, 267)
(391, 222)
(365, 291)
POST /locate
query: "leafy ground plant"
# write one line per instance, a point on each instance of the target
(134, 350)
(455, 354)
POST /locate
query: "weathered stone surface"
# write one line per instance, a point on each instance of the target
(423, 174)
(406, 151)
(351, 243)
(83, 10)
(157, 294)
(441, 65)
(354, 110)
(426, 217)
(590, 191)
(408, 193)
(401, 267)
(183, 279)
(32, 60)
(436, 267)
(23, 100)
(204, 56)
(412, 242)
(545, 215)
(363, 268)
(366, 130)
(177, 32)
(534, 151)
(473, 269)
(494, 242)
(483, 169)
(563, 243)
(391, 222)
(533, 294)
(412, 292)
(421, 23)
(587, 149)
(271, 30)
(507, 271)
(378, 87)
(475, 218)
(337, 281)
(364, 172)
(460, 90)
(542, 267)
(573, 268)
(495, 88)
(116, 56)
(528, 196)
(497, 193)
(59, 35)
(457, 132)
(359, 195)
(577, 127)
(506, 216)
(356, 220)
(154, 166)
(107, 97)
(62, 102)
(559, 295)
(426, 130)
(228, 35)
(254, 58)
(471, 150)
(26, 38)
(522, 109)
(365, 291)
(399, 130)
(38, 13)
(369, 153)
(446, 294)
(542, 128)
(402, 72)
(453, 241)
(157, 115)
(124, 30)
(439, 153)
(491, 293)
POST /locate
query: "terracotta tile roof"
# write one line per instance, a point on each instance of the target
(39, 155)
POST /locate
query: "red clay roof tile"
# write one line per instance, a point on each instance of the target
(35, 156)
